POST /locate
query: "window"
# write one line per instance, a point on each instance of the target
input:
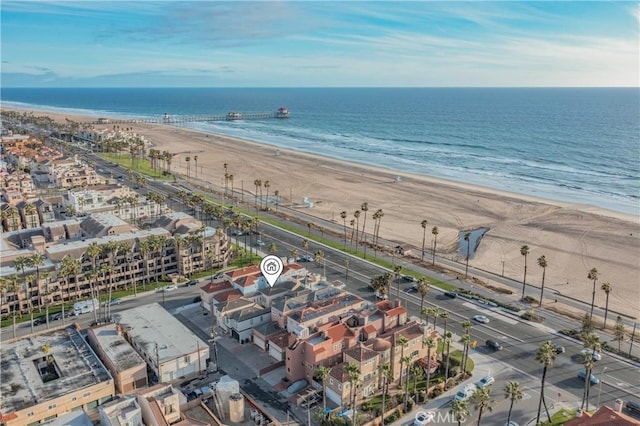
(52, 406)
(339, 387)
(30, 414)
(414, 354)
(187, 359)
(86, 394)
(331, 380)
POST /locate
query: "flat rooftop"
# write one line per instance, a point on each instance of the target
(45, 366)
(151, 324)
(116, 348)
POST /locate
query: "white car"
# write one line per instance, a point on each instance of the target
(595, 355)
(169, 288)
(486, 381)
(481, 318)
(424, 418)
(465, 393)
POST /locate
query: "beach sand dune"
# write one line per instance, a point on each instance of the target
(573, 238)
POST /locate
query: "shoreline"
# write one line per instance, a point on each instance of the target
(573, 237)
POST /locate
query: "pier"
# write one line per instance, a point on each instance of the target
(281, 113)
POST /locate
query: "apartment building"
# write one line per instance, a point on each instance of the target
(136, 256)
(126, 366)
(121, 411)
(169, 348)
(48, 374)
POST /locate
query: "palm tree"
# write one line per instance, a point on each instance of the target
(482, 399)
(606, 287)
(444, 315)
(267, 185)
(36, 260)
(524, 250)
(466, 342)
(343, 215)
(592, 341)
(593, 275)
(195, 160)
(403, 342)
(353, 373)
(460, 410)
(188, 160)
(424, 313)
(467, 238)
(435, 233)
(423, 289)
(365, 208)
(618, 332)
(435, 311)
(320, 257)
(322, 373)
(545, 355)
(71, 267)
(305, 245)
(447, 341)
(93, 251)
(20, 263)
(11, 284)
(542, 262)
(513, 393)
(431, 344)
(258, 184)
(356, 214)
(386, 376)
(589, 363)
(396, 272)
(423, 224)
(407, 362)
(379, 214)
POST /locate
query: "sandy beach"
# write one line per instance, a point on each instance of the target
(573, 238)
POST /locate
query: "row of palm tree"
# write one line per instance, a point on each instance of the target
(434, 232)
(360, 237)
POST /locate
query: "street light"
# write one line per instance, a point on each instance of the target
(600, 386)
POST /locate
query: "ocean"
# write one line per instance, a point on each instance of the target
(579, 145)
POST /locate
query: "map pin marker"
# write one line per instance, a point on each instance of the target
(271, 268)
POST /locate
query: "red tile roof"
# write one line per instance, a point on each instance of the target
(242, 272)
(216, 287)
(227, 295)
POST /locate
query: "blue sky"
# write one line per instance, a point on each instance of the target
(316, 44)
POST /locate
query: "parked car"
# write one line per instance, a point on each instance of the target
(55, 317)
(465, 393)
(409, 278)
(259, 243)
(197, 299)
(486, 381)
(191, 283)
(116, 301)
(557, 348)
(39, 321)
(633, 405)
(169, 288)
(481, 318)
(595, 355)
(451, 294)
(593, 379)
(493, 344)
